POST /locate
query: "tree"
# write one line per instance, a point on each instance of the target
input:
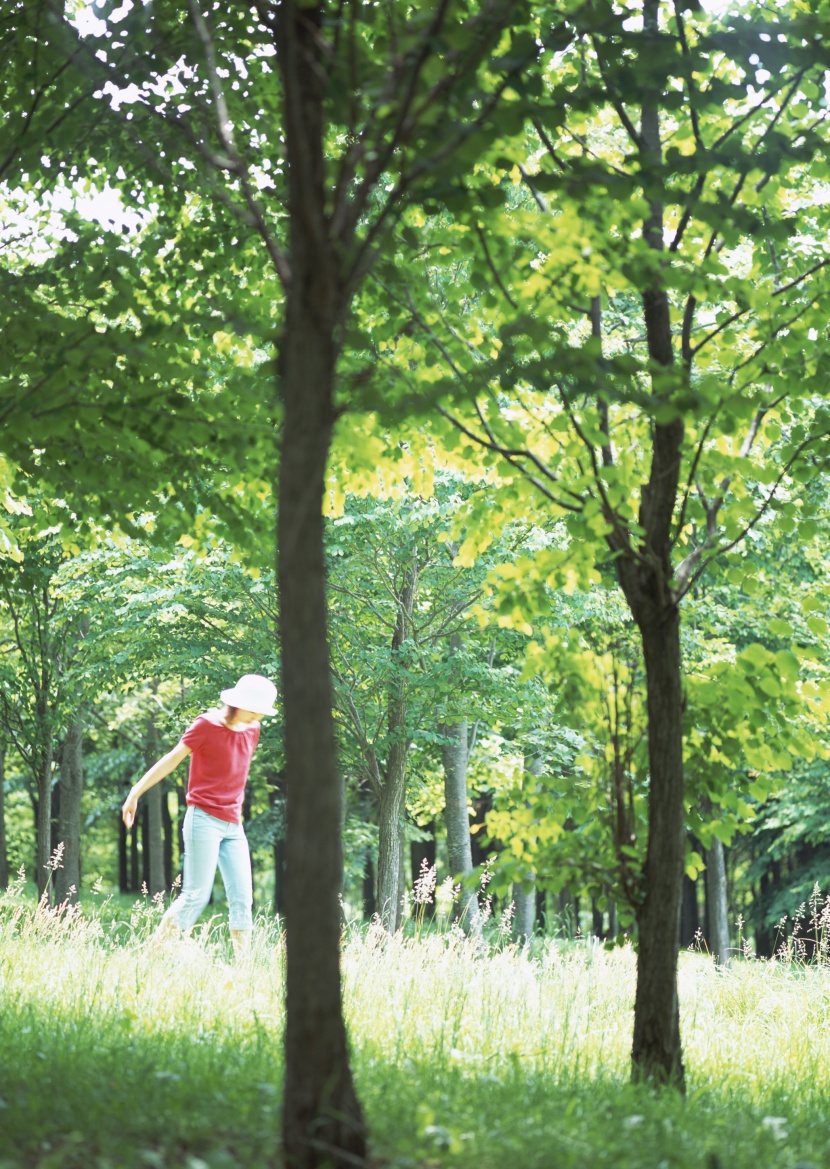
(655, 368)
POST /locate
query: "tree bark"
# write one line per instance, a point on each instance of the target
(322, 1118)
(455, 755)
(123, 858)
(153, 835)
(717, 909)
(524, 892)
(68, 878)
(656, 1051)
(689, 913)
(43, 852)
(135, 872)
(392, 804)
(4, 853)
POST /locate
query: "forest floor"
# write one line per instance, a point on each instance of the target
(115, 1052)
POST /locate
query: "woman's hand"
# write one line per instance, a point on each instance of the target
(129, 807)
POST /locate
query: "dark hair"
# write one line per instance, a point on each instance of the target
(231, 715)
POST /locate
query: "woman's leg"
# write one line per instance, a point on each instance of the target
(235, 867)
(202, 838)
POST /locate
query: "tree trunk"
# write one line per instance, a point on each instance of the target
(370, 898)
(524, 913)
(44, 819)
(68, 878)
(717, 910)
(524, 892)
(393, 794)
(596, 918)
(689, 913)
(4, 854)
(322, 1118)
(455, 755)
(390, 819)
(656, 1051)
(153, 838)
(135, 873)
(276, 793)
(123, 858)
(167, 836)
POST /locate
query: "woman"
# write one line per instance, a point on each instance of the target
(220, 744)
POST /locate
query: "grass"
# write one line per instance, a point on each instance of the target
(114, 1053)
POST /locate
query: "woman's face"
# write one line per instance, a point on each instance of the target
(243, 717)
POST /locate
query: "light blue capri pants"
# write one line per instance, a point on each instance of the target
(209, 841)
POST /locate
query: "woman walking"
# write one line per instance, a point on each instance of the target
(220, 744)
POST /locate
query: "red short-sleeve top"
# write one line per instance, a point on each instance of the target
(219, 762)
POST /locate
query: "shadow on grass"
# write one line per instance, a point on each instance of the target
(77, 1096)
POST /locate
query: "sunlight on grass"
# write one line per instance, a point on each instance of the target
(195, 1040)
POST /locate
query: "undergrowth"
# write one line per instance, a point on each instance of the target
(117, 1052)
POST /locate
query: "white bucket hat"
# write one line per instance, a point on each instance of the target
(252, 692)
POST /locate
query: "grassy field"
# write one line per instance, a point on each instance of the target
(117, 1053)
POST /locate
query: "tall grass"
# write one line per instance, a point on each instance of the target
(115, 1051)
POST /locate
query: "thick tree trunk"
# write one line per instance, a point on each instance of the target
(322, 1119)
(717, 909)
(68, 878)
(44, 820)
(656, 1051)
(4, 854)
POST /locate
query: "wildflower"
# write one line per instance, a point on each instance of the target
(424, 886)
(55, 861)
(506, 920)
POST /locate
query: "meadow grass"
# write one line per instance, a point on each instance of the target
(115, 1052)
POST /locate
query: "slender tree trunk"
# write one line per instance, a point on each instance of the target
(276, 793)
(455, 756)
(393, 794)
(4, 854)
(123, 858)
(153, 838)
(689, 913)
(524, 892)
(716, 904)
(596, 918)
(524, 913)
(68, 878)
(390, 819)
(656, 1051)
(370, 897)
(44, 818)
(135, 872)
(167, 836)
